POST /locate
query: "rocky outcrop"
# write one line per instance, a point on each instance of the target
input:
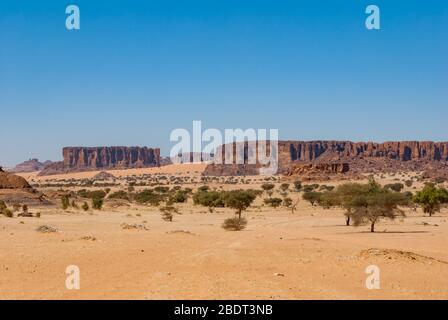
(12, 181)
(100, 158)
(103, 175)
(401, 151)
(318, 168)
(30, 165)
(360, 156)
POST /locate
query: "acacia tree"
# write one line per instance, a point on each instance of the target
(374, 206)
(268, 187)
(431, 198)
(312, 197)
(342, 197)
(365, 202)
(239, 200)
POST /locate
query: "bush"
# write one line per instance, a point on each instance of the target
(167, 212)
(83, 193)
(394, 186)
(298, 185)
(7, 213)
(149, 196)
(267, 186)
(122, 195)
(180, 196)
(2, 205)
(211, 199)
(408, 183)
(97, 203)
(273, 202)
(161, 189)
(287, 202)
(234, 224)
(65, 202)
(85, 206)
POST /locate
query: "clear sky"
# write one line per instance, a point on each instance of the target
(136, 70)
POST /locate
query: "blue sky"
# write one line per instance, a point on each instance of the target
(136, 70)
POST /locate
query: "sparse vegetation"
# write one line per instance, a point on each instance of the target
(97, 203)
(234, 224)
(168, 212)
(65, 202)
(273, 202)
(431, 198)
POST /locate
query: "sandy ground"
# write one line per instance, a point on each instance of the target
(177, 169)
(310, 254)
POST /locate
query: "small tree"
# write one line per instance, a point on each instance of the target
(168, 212)
(25, 208)
(312, 196)
(239, 200)
(268, 187)
(373, 206)
(431, 198)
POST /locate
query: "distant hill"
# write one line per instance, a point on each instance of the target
(30, 165)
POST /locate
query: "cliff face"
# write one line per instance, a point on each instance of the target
(110, 157)
(402, 151)
(360, 156)
(101, 158)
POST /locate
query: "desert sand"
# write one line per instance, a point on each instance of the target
(309, 254)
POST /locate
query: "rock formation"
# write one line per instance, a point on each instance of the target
(359, 156)
(100, 158)
(103, 175)
(12, 181)
(30, 165)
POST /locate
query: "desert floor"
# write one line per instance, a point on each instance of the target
(306, 255)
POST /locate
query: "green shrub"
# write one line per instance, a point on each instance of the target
(312, 197)
(65, 202)
(122, 195)
(168, 212)
(85, 206)
(273, 202)
(394, 186)
(149, 196)
(234, 224)
(97, 203)
(298, 185)
(7, 213)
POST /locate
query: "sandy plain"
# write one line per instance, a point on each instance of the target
(309, 254)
